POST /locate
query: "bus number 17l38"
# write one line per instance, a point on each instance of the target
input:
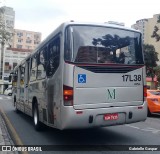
(131, 78)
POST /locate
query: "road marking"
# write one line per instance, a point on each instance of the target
(148, 129)
(153, 130)
(8, 97)
(4, 98)
(132, 126)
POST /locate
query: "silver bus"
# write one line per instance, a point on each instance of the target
(83, 75)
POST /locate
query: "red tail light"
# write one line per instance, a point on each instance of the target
(68, 95)
(144, 92)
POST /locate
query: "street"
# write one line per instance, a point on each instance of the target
(141, 133)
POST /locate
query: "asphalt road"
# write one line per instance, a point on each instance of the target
(135, 135)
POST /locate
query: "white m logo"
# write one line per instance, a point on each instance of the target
(111, 94)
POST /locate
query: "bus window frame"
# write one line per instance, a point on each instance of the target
(51, 45)
(32, 79)
(41, 52)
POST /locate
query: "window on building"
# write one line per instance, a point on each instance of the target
(36, 36)
(19, 46)
(28, 41)
(36, 42)
(7, 67)
(19, 34)
(20, 40)
(28, 47)
(29, 35)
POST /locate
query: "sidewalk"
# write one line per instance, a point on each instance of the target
(5, 138)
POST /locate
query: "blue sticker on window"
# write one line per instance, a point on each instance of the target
(81, 78)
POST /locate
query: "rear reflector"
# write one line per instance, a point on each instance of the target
(140, 107)
(68, 95)
(79, 112)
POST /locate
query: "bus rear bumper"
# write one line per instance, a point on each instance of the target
(88, 118)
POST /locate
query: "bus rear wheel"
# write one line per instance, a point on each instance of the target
(37, 124)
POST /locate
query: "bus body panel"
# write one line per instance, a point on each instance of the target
(107, 89)
(91, 100)
(72, 120)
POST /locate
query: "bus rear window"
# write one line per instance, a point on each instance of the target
(91, 44)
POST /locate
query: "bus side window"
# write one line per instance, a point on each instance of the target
(53, 57)
(41, 72)
(33, 69)
(14, 79)
(22, 69)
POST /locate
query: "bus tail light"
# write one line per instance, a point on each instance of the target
(144, 92)
(68, 95)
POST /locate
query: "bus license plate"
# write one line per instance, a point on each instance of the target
(112, 116)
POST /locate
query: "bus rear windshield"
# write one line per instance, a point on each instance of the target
(91, 44)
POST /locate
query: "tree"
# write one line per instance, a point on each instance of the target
(157, 72)
(151, 57)
(155, 31)
(6, 33)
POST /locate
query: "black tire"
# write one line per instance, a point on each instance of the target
(10, 94)
(36, 122)
(149, 113)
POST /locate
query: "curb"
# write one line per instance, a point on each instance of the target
(12, 132)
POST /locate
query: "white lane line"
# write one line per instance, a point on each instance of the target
(147, 129)
(5, 98)
(132, 126)
(153, 130)
(8, 97)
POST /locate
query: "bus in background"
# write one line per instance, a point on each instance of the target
(83, 75)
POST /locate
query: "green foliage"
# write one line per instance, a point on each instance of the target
(157, 72)
(155, 31)
(151, 57)
(6, 33)
(158, 20)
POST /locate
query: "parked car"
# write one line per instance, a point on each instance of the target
(153, 101)
(8, 91)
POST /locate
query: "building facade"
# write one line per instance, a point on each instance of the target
(146, 26)
(16, 48)
(24, 39)
(141, 25)
(12, 57)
